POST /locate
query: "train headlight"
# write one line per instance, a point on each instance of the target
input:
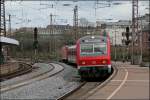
(83, 62)
(104, 62)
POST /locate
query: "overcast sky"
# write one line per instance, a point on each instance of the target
(36, 13)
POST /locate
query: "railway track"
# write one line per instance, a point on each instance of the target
(87, 88)
(23, 69)
(55, 70)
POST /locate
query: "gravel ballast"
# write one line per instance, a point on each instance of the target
(49, 88)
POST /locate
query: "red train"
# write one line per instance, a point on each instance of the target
(91, 54)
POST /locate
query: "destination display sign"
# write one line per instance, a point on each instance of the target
(93, 40)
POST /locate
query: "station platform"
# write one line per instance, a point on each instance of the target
(130, 82)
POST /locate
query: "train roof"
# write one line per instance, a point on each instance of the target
(8, 41)
(94, 38)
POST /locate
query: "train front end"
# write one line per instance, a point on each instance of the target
(93, 56)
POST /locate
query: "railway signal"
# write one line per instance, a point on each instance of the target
(127, 34)
(126, 41)
(35, 44)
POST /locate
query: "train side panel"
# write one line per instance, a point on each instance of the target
(72, 54)
(64, 53)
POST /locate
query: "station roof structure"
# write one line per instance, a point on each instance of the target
(8, 41)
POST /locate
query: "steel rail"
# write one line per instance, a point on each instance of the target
(90, 92)
(70, 92)
(22, 70)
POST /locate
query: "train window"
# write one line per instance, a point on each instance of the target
(100, 48)
(86, 48)
(71, 51)
(93, 49)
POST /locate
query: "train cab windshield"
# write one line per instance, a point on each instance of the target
(94, 49)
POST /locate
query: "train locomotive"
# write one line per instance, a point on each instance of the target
(92, 56)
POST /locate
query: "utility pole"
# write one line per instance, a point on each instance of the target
(134, 26)
(9, 24)
(115, 45)
(2, 27)
(75, 22)
(51, 32)
(51, 19)
(53, 43)
(2, 19)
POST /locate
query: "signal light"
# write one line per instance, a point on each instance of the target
(35, 33)
(127, 33)
(127, 42)
(127, 29)
(35, 44)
